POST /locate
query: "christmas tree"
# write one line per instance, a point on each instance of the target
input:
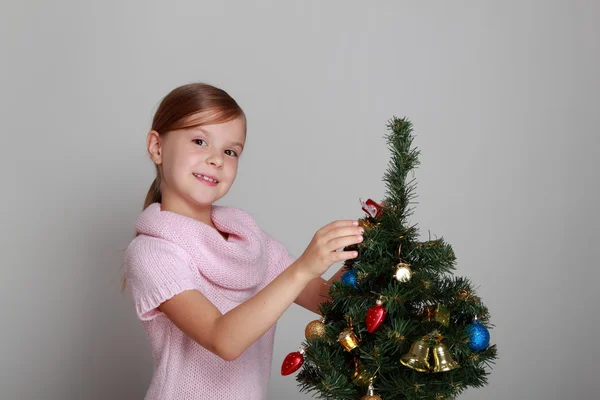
(399, 325)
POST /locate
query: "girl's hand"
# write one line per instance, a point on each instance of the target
(322, 252)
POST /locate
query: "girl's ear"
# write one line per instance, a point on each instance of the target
(153, 146)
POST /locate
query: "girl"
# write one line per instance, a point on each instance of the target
(207, 283)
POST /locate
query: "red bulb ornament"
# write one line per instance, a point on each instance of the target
(375, 317)
(292, 362)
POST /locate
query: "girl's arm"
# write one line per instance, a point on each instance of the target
(229, 335)
(316, 292)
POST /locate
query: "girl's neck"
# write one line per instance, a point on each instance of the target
(202, 214)
(199, 214)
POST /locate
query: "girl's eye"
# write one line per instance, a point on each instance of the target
(200, 141)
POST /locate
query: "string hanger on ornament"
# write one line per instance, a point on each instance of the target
(403, 272)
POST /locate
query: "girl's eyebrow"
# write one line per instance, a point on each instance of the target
(232, 143)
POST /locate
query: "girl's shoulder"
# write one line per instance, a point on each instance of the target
(144, 249)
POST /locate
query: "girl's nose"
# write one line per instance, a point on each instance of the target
(215, 159)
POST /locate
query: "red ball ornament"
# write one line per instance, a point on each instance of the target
(375, 317)
(292, 362)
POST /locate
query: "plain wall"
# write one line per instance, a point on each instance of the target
(504, 100)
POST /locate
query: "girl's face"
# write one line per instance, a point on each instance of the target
(189, 156)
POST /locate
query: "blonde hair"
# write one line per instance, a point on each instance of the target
(188, 106)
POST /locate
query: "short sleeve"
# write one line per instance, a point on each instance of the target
(278, 257)
(156, 270)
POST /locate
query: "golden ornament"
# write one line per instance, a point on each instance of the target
(315, 329)
(417, 357)
(371, 394)
(403, 272)
(366, 224)
(437, 313)
(443, 360)
(361, 379)
(348, 339)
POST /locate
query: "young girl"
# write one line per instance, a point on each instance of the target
(207, 283)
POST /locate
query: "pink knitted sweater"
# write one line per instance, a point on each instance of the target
(173, 253)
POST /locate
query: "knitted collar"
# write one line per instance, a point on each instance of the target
(237, 264)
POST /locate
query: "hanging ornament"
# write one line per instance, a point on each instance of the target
(315, 329)
(372, 208)
(442, 358)
(361, 379)
(366, 224)
(349, 278)
(417, 357)
(347, 338)
(375, 316)
(479, 336)
(360, 376)
(292, 362)
(403, 272)
(437, 313)
(371, 394)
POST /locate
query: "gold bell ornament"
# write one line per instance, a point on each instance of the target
(443, 360)
(417, 357)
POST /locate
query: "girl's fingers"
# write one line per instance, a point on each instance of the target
(345, 223)
(345, 255)
(344, 241)
(342, 232)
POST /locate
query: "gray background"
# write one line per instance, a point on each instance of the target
(504, 100)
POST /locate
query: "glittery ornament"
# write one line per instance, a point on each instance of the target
(375, 316)
(479, 336)
(371, 394)
(315, 329)
(292, 362)
(349, 278)
(371, 397)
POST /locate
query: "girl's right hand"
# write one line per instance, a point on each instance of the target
(321, 252)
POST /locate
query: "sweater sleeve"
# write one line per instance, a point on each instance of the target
(278, 257)
(156, 270)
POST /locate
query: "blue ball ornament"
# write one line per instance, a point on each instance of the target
(349, 278)
(479, 336)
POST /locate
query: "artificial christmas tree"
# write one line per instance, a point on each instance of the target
(399, 325)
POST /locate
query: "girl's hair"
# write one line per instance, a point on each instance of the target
(188, 106)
